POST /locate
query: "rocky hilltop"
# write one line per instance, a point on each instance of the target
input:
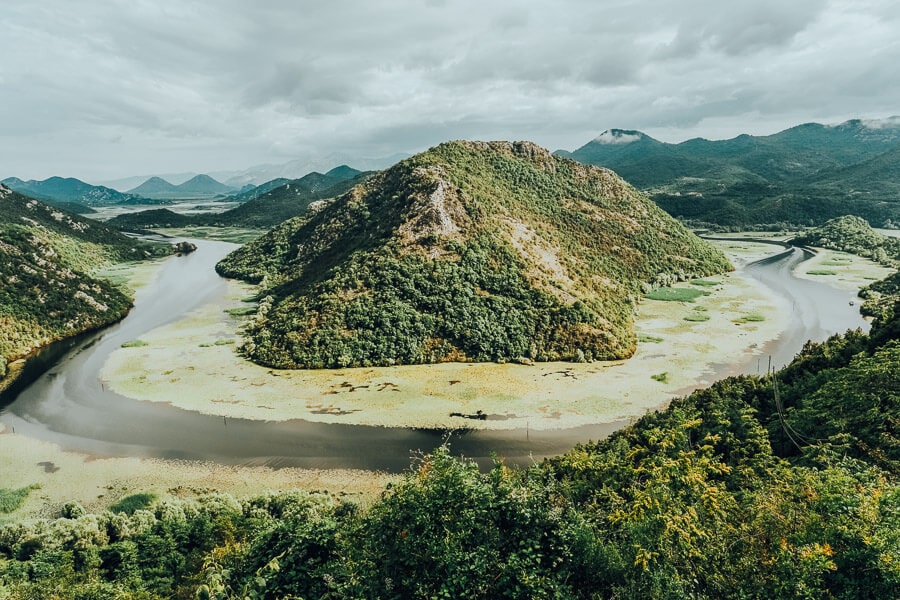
(468, 251)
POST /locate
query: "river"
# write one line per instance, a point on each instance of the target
(68, 405)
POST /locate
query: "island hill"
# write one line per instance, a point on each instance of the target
(470, 251)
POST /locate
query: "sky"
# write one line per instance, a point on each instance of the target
(104, 89)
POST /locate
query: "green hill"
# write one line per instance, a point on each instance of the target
(67, 192)
(804, 175)
(853, 234)
(151, 219)
(469, 251)
(46, 255)
(290, 199)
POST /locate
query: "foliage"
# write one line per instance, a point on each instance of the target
(854, 235)
(670, 294)
(470, 251)
(47, 293)
(804, 175)
(134, 502)
(11, 500)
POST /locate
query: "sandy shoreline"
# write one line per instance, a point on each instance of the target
(193, 364)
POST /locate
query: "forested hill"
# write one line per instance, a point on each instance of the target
(46, 255)
(804, 175)
(469, 251)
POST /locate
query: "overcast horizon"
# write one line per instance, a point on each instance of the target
(110, 89)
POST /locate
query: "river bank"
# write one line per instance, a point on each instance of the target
(739, 310)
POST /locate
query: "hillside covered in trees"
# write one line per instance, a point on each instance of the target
(469, 251)
(783, 486)
(47, 292)
(804, 175)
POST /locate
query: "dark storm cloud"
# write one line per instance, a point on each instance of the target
(223, 84)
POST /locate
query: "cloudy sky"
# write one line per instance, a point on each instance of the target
(101, 89)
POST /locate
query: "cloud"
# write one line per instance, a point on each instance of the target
(217, 84)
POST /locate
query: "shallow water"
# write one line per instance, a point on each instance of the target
(67, 404)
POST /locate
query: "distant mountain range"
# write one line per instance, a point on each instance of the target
(804, 175)
(261, 207)
(197, 187)
(69, 193)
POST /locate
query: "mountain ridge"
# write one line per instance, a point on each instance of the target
(803, 175)
(69, 191)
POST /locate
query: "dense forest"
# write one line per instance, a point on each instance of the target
(469, 251)
(783, 486)
(47, 292)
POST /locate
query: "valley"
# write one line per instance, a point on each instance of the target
(173, 363)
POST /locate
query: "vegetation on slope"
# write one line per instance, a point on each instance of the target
(47, 294)
(470, 251)
(804, 175)
(853, 234)
(67, 192)
(736, 491)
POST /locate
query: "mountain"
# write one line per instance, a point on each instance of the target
(804, 175)
(253, 192)
(195, 188)
(261, 209)
(64, 191)
(204, 185)
(297, 168)
(469, 251)
(285, 201)
(46, 257)
(155, 187)
(635, 156)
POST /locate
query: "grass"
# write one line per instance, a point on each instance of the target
(241, 312)
(821, 272)
(649, 339)
(669, 294)
(697, 317)
(134, 344)
(11, 500)
(221, 342)
(705, 283)
(134, 502)
(661, 377)
(754, 318)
